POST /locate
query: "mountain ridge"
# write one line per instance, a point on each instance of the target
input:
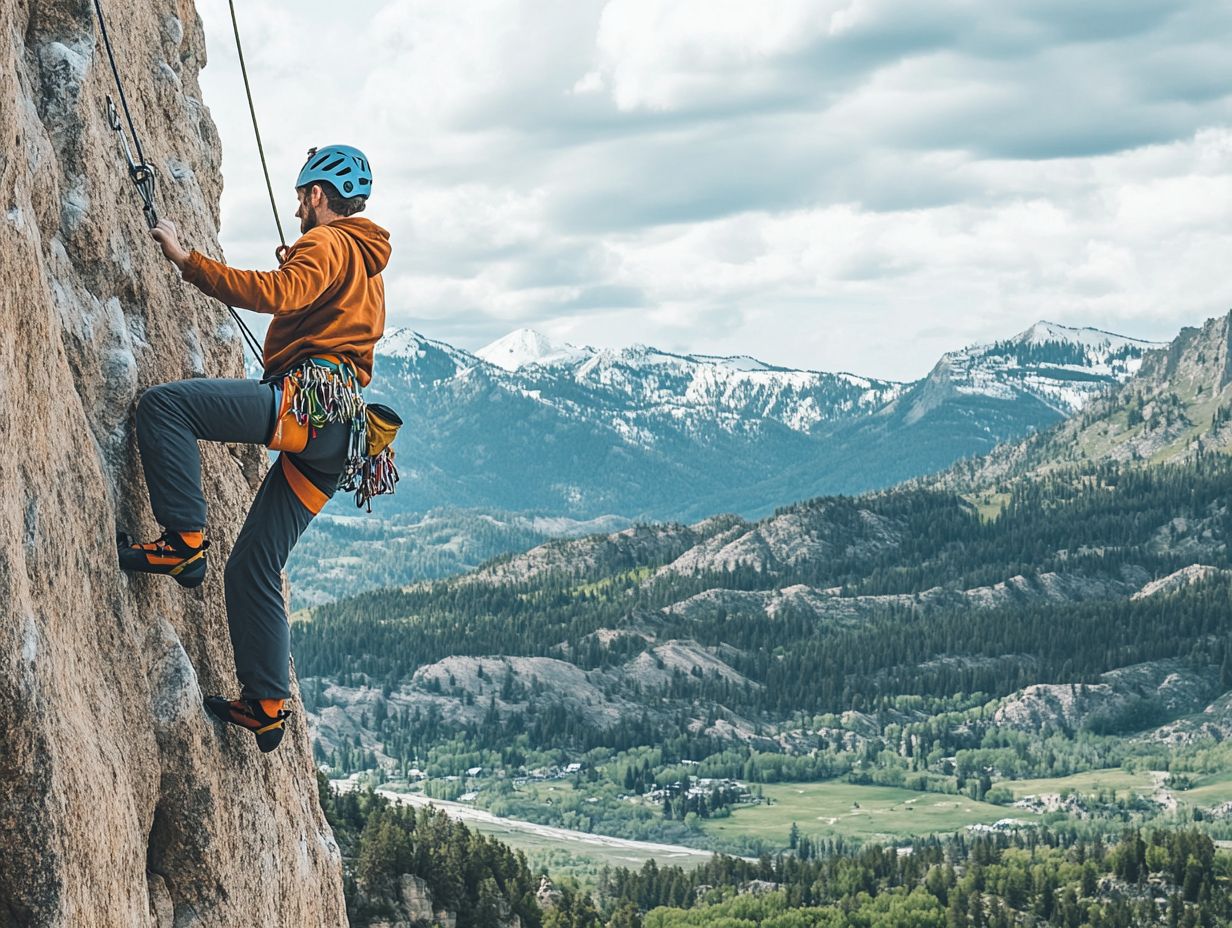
(644, 433)
(639, 433)
(1176, 407)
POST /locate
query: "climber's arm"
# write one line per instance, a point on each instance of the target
(311, 266)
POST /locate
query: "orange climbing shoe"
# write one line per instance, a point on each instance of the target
(265, 718)
(178, 554)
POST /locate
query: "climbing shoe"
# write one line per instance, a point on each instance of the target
(170, 553)
(265, 718)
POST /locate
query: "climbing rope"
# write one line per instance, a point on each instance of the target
(256, 130)
(142, 174)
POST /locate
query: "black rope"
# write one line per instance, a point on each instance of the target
(251, 340)
(142, 174)
(115, 72)
(256, 130)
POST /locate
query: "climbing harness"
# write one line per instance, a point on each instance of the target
(324, 389)
(142, 173)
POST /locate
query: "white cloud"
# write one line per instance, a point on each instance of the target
(664, 54)
(856, 184)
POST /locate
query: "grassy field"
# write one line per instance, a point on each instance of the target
(1116, 779)
(1207, 791)
(834, 808)
(543, 790)
(827, 809)
(989, 505)
(637, 575)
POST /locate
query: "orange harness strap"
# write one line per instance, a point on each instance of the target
(303, 488)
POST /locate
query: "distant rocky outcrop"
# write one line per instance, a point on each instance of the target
(462, 690)
(418, 909)
(1186, 576)
(1213, 723)
(121, 804)
(1127, 699)
(603, 552)
(790, 538)
(1177, 406)
(830, 606)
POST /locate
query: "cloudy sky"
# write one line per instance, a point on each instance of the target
(832, 184)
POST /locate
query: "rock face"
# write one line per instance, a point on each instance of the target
(120, 803)
(1123, 700)
(1177, 406)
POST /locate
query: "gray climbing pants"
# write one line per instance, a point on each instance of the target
(171, 419)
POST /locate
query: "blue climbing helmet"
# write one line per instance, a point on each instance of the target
(343, 166)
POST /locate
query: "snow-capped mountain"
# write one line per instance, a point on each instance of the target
(1060, 366)
(640, 384)
(1177, 406)
(527, 423)
(526, 347)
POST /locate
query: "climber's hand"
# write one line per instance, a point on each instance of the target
(281, 254)
(167, 236)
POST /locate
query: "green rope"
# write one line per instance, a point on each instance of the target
(256, 130)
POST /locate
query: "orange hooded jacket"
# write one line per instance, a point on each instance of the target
(326, 298)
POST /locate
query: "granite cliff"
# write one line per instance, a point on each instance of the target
(121, 804)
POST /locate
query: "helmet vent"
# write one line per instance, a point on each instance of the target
(345, 167)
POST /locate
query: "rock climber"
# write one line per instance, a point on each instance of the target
(327, 301)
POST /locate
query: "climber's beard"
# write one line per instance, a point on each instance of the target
(309, 220)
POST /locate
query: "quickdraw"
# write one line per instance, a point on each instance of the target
(139, 171)
(326, 390)
(142, 173)
(377, 477)
(378, 474)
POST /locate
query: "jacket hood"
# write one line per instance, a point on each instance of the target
(373, 241)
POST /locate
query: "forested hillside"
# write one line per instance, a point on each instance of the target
(419, 865)
(1177, 407)
(908, 639)
(831, 604)
(349, 553)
